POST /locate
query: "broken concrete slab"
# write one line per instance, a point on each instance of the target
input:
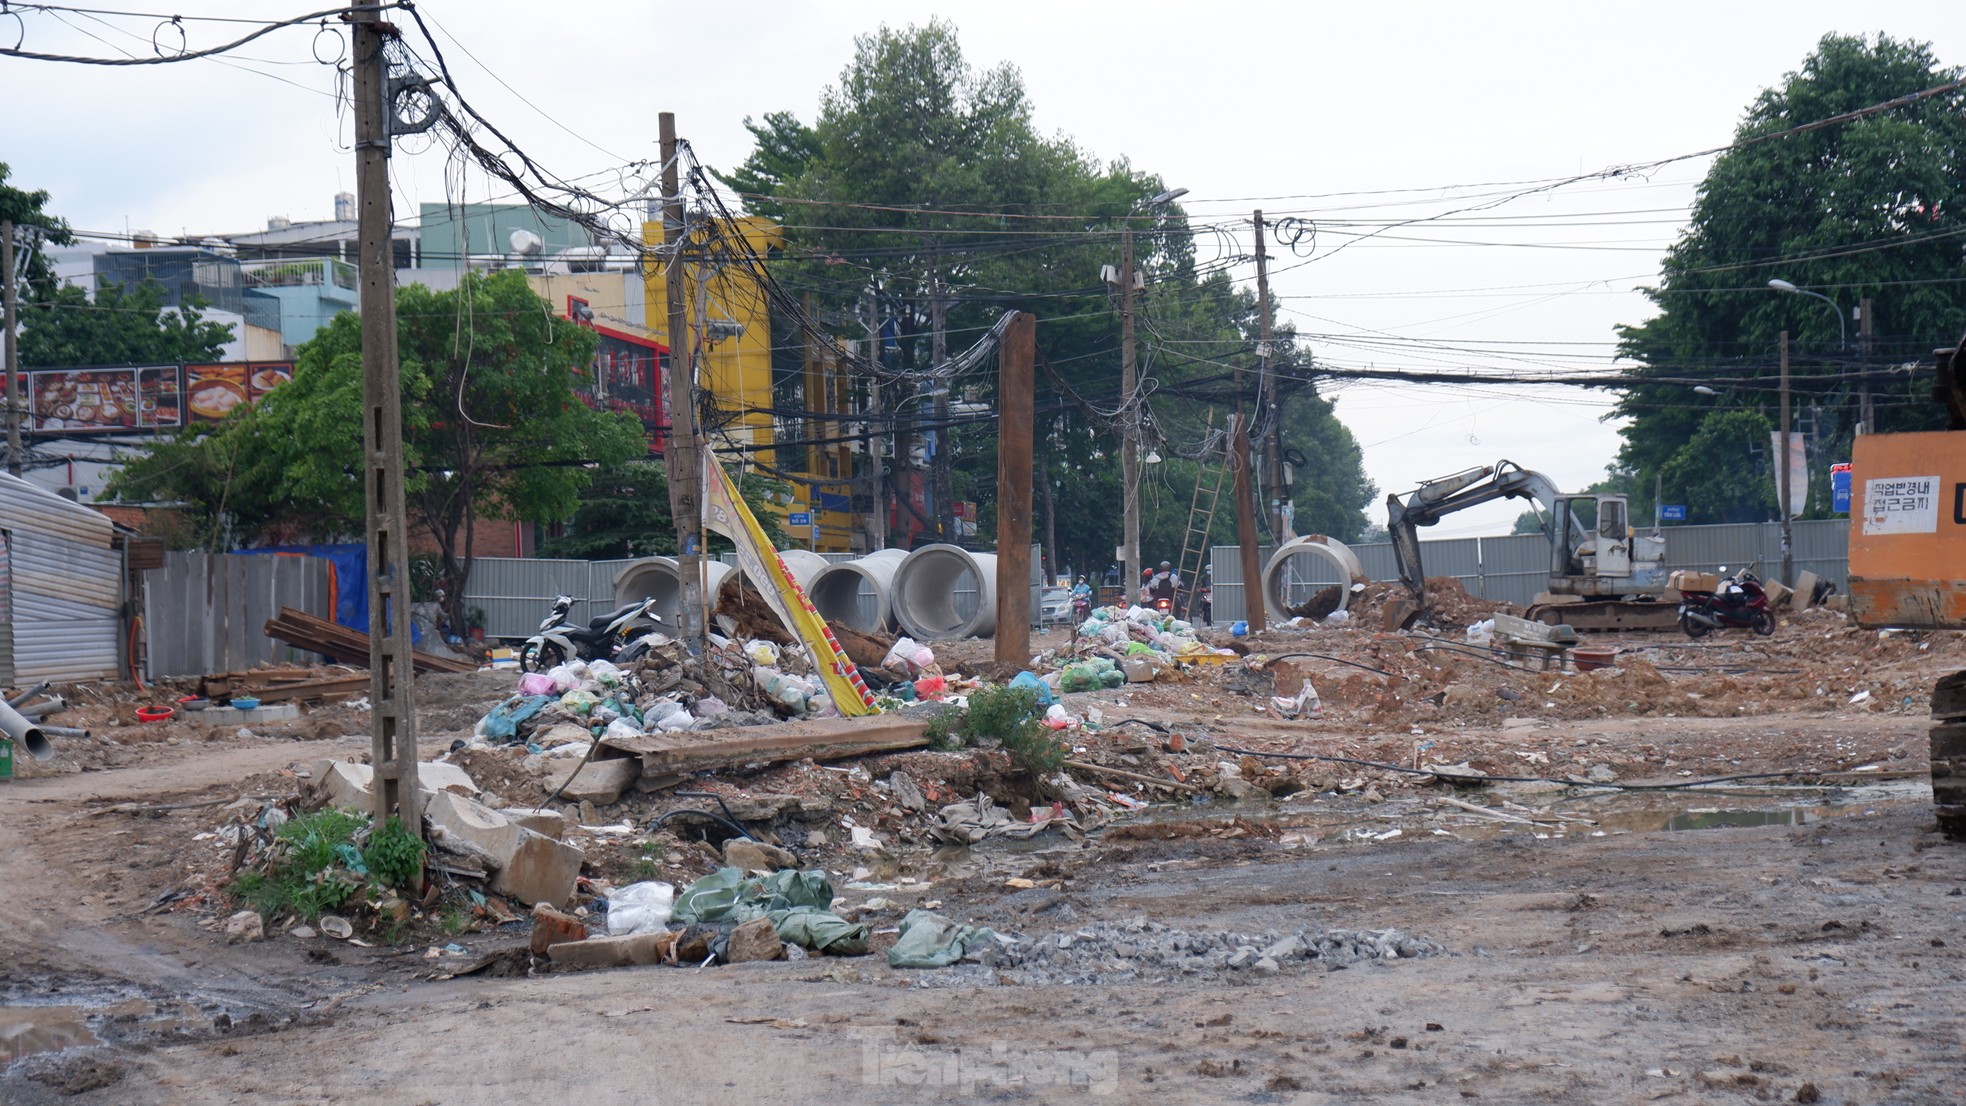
(613, 952)
(351, 785)
(814, 739)
(529, 866)
(551, 927)
(436, 775)
(545, 822)
(600, 781)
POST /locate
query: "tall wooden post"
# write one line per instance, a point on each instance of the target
(1788, 548)
(392, 705)
(1266, 403)
(1254, 608)
(12, 351)
(684, 458)
(1016, 419)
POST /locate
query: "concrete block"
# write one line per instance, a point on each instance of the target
(546, 822)
(599, 781)
(756, 856)
(753, 940)
(437, 775)
(345, 784)
(271, 712)
(539, 869)
(613, 952)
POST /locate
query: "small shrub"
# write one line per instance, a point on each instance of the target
(301, 871)
(1009, 715)
(394, 856)
(945, 729)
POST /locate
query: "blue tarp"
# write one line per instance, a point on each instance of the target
(351, 581)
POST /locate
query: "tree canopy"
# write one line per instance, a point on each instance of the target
(925, 184)
(34, 228)
(492, 428)
(1868, 209)
(123, 325)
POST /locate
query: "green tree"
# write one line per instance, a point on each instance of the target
(1724, 473)
(925, 182)
(125, 325)
(1870, 208)
(33, 229)
(492, 428)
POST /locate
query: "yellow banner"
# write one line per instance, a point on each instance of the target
(724, 511)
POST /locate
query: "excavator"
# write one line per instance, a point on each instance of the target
(1605, 578)
(1908, 558)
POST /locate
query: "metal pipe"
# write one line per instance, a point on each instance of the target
(62, 731)
(42, 709)
(32, 737)
(28, 694)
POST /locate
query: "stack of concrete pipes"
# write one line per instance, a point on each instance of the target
(922, 593)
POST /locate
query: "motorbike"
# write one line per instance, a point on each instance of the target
(601, 639)
(1081, 608)
(1739, 601)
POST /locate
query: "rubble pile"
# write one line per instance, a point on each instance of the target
(1114, 952)
(1116, 646)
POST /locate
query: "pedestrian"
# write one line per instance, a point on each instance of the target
(1204, 602)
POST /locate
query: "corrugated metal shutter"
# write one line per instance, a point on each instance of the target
(6, 613)
(66, 625)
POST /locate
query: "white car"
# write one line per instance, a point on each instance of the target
(1054, 605)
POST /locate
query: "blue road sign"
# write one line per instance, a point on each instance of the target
(1839, 488)
(800, 518)
(1672, 512)
(815, 533)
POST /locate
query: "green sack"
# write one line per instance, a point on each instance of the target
(820, 931)
(928, 940)
(726, 895)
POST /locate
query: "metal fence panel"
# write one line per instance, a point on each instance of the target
(516, 592)
(1515, 569)
(207, 612)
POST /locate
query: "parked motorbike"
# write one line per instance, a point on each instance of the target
(1739, 601)
(601, 639)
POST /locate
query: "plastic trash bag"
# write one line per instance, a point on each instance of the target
(579, 702)
(1305, 702)
(929, 940)
(623, 728)
(762, 653)
(640, 908)
(1030, 682)
(538, 683)
(502, 723)
(605, 672)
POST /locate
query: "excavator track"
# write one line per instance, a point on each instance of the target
(1607, 614)
(1949, 755)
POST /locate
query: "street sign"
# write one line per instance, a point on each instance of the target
(800, 518)
(815, 533)
(1839, 488)
(1672, 512)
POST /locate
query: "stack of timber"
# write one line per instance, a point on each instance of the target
(317, 635)
(286, 685)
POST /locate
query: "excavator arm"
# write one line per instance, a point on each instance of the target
(1436, 499)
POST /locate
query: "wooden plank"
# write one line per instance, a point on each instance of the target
(820, 739)
(318, 635)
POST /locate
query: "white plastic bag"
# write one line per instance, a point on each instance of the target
(623, 728)
(1481, 633)
(762, 653)
(640, 908)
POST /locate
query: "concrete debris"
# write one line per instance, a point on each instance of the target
(615, 952)
(756, 856)
(1108, 952)
(754, 940)
(529, 866)
(246, 925)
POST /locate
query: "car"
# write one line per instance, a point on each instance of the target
(1055, 605)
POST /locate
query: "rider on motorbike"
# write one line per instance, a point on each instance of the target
(1081, 598)
(1165, 584)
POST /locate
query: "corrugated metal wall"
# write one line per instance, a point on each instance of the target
(67, 586)
(6, 613)
(1514, 568)
(207, 612)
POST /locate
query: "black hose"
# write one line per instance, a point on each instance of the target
(739, 830)
(1268, 661)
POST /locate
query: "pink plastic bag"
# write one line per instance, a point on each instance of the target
(537, 683)
(930, 687)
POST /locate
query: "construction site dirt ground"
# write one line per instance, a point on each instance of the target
(1796, 938)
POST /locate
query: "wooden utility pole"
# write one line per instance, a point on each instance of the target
(1016, 420)
(1129, 430)
(1273, 482)
(392, 680)
(1782, 473)
(1254, 608)
(1866, 423)
(12, 352)
(683, 457)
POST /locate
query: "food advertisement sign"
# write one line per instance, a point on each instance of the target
(83, 401)
(138, 399)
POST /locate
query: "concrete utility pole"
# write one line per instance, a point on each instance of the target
(1788, 548)
(1129, 429)
(392, 679)
(1016, 421)
(12, 350)
(944, 506)
(1255, 610)
(684, 459)
(1273, 482)
(1866, 423)
(877, 517)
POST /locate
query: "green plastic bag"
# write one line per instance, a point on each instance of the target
(929, 940)
(820, 931)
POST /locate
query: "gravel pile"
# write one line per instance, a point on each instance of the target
(1110, 952)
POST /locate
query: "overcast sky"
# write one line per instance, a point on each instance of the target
(1302, 109)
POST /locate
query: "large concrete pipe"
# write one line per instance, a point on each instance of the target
(1276, 574)
(858, 593)
(658, 578)
(803, 564)
(930, 599)
(28, 735)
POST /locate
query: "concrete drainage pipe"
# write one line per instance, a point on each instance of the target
(657, 578)
(1278, 584)
(942, 593)
(858, 593)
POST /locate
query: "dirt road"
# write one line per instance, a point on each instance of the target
(1607, 963)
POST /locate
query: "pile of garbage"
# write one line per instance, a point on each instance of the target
(1116, 646)
(1124, 951)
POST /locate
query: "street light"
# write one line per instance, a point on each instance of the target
(1842, 329)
